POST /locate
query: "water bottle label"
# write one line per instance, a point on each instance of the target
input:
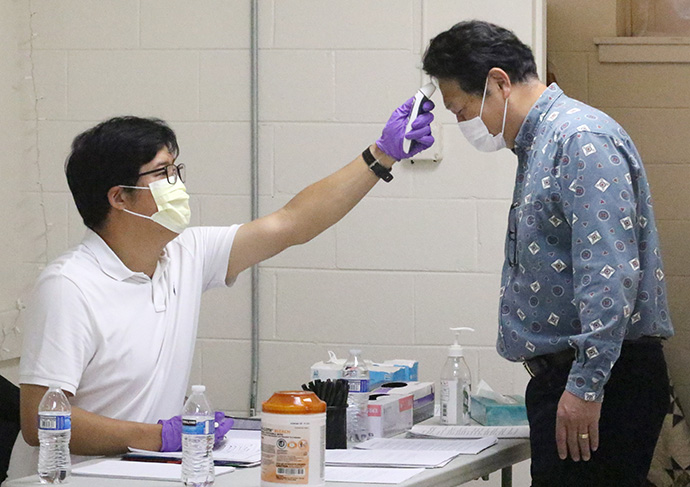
(192, 426)
(358, 385)
(54, 423)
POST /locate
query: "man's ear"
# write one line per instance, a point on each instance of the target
(117, 197)
(501, 80)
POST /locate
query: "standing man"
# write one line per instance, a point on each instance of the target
(583, 296)
(114, 320)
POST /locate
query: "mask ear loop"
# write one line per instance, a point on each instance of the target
(486, 84)
(505, 111)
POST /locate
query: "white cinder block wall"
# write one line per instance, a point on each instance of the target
(417, 256)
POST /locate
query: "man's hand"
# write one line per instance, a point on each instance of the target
(171, 435)
(577, 427)
(391, 141)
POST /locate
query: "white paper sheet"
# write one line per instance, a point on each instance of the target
(447, 431)
(238, 446)
(121, 469)
(371, 475)
(464, 447)
(389, 458)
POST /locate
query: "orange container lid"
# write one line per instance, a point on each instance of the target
(294, 402)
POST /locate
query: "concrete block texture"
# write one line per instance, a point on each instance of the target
(161, 83)
(348, 307)
(224, 87)
(85, 24)
(216, 157)
(444, 300)
(226, 312)
(464, 172)
(307, 152)
(318, 253)
(353, 68)
(204, 24)
(296, 85)
(333, 24)
(516, 15)
(54, 142)
(409, 234)
(47, 82)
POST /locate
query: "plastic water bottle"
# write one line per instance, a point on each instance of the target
(357, 375)
(54, 432)
(198, 428)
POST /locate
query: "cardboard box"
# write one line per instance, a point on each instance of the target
(389, 415)
(422, 393)
(492, 413)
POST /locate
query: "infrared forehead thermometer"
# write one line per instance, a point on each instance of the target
(420, 97)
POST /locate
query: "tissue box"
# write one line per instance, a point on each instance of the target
(389, 415)
(410, 368)
(327, 370)
(381, 373)
(422, 393)
(378, 373)
(492, 413)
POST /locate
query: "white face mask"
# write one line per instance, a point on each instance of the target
(172, 201)
(477, 133)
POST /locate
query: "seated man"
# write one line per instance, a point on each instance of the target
(114, 320)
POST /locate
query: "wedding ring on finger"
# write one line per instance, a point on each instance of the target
(583, 436)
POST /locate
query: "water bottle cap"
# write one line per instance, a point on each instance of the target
(54, 385)
(198, 388)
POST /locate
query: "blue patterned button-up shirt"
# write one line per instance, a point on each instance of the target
(583, 267)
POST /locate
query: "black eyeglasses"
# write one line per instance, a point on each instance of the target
(511, 245)
(172, 172)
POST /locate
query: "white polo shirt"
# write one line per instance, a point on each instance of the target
(122, 342)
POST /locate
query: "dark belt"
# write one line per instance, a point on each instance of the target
(542, 363)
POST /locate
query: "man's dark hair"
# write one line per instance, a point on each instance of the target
(467, 51)
(110, 154)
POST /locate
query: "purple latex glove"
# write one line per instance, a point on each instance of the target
(171, 435)
(223, 425)
(391, 141)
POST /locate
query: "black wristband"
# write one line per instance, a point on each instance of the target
(376, 167)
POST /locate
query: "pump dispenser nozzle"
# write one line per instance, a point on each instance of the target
(455, 350)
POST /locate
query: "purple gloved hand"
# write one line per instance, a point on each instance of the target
(223, 425)
(391, 141)
(171, 435)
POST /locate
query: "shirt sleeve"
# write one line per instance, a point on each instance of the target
(599, 202)
(213, 246)
(59, 339)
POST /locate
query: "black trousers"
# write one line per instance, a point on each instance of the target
(636, 399)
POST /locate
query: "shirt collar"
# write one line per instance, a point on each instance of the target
(526, 135)
(109, 261)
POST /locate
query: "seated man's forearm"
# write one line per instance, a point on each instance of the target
(93, 434)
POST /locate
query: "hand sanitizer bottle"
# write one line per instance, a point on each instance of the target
(456, 384)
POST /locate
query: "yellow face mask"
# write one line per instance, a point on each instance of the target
(172, 201)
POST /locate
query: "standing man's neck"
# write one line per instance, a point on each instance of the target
(522, 97)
